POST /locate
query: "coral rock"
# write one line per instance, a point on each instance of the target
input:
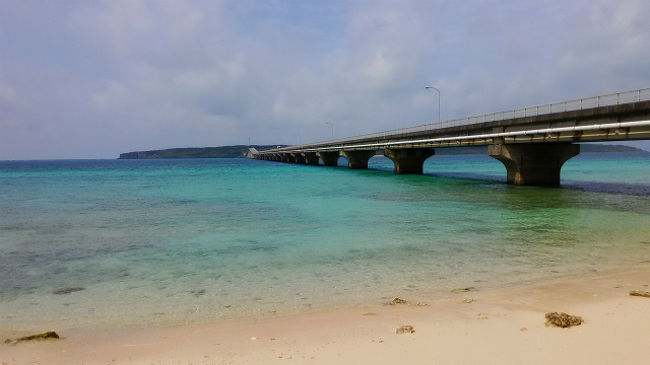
(405, 329)
(64, 291)
(640, 293)
(41, 336)
(562, 320)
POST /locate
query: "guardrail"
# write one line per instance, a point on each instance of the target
(623, 97)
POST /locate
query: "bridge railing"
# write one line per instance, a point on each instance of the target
(622, 97)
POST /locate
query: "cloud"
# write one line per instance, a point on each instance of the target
(93, 79)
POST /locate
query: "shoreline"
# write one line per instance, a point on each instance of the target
(179, 318)
(501, 325)
(202, 314)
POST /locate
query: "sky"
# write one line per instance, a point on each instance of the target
(92, 79)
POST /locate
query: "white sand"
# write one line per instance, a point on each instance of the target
(503, 326)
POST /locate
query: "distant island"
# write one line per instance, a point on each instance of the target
(238, 151)
(196, 152)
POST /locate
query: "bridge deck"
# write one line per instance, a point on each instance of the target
(533, 146)
(619, 116)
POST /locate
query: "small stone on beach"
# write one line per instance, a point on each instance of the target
(468, 300)
(562, 320)
(405, 329)
(198, 293)
(63, 291)
(397, 301)
(640, 293)
(41, 336)
(462, 290)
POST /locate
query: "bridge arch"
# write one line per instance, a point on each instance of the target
(533, 163)
(329, 158)
(358, 159)
(408, 160)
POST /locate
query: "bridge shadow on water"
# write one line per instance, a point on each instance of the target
(609, 188)
(584, 186)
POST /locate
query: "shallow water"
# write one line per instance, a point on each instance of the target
(146, 241)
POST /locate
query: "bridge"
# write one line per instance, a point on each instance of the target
(532, 142)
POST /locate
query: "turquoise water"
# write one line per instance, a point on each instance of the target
(169, 241)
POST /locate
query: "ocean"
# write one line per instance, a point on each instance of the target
(131, 242)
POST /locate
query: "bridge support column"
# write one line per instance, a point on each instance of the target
(310, 158)
(286, 157)
(298, 158)
(358, 159)
(329, 158)
(533, 163)
(408, 160)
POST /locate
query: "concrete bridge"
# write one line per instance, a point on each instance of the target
(533, 142)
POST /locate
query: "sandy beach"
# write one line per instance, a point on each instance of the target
(498, 326)
(324, 182)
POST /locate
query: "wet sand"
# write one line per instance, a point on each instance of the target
(504, 325)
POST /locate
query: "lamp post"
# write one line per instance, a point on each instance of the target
(331, 127)
(436, 89)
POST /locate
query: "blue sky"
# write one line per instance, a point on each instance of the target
(91, 79)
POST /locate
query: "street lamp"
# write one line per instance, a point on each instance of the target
(332, 127)
(436, 89)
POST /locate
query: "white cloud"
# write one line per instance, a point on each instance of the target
(7, 96)
(100, 78)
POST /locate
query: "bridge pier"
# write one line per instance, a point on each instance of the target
(329, 158)
(311, 158)
(292, 158)
(286, 157)
(298, 158)
(408, 160)
(533, 163)
(358, 159)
